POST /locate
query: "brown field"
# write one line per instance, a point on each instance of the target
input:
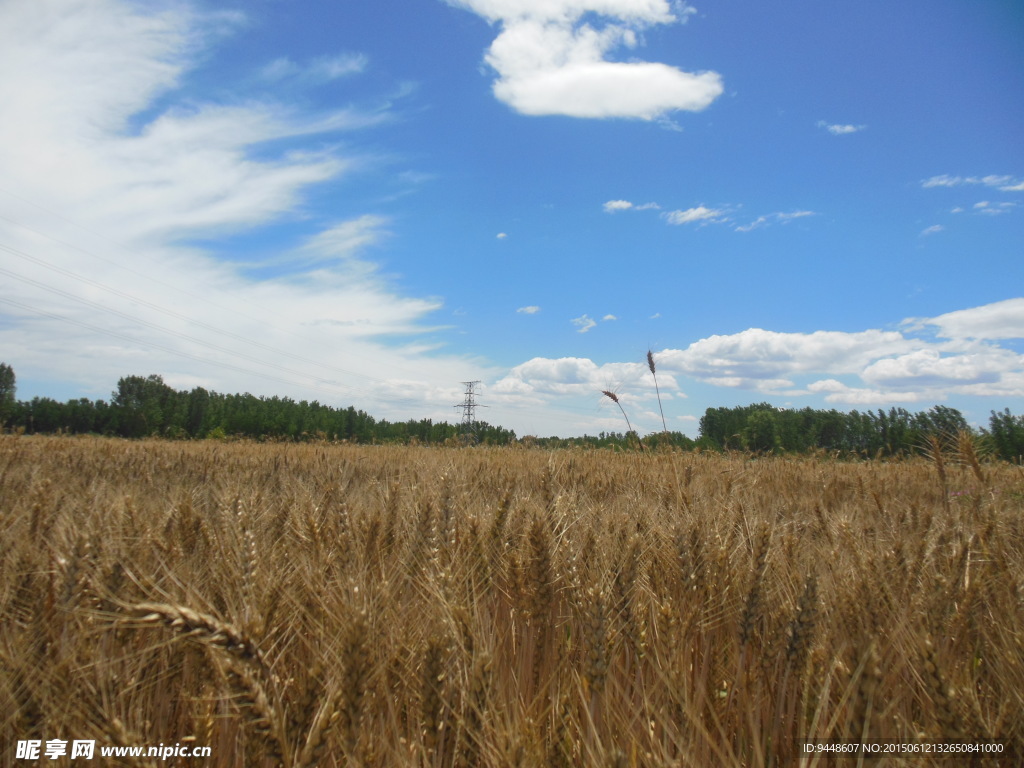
(393, 606)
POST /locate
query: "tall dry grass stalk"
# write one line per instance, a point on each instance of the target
(615, 399)
(657, 389)
(343, 606)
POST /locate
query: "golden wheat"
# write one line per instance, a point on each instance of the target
(344, 605)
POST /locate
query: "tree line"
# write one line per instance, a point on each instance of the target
(147, 406)
(762, 427)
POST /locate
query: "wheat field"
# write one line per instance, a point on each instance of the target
(343, 605)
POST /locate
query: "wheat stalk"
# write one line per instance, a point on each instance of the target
(657, 390)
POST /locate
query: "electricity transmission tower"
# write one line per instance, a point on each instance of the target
(469, 406)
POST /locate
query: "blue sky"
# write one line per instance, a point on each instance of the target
(368, 203)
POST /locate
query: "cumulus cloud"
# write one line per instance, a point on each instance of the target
(755, 355)
(582, 377)
(842, 394)
(837, 129)
(609, 317)
(930, 368)
(530, 310)
(853, 368)
(892, 366)
(551, 62)
(999, 320)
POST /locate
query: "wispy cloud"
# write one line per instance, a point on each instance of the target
(614, 206)
(838, 129)
(583, 323)
(138, 170)
(774, 218)
(1001, 182)
(550, 61)
(702, 214)
(323, 69)
(993, 209)
(530, 310)
(932, 230)
(699, 214)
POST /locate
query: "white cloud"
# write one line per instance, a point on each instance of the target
(703, 214)
(894, 366)
(838, 393)
(758, 355)
(609, 317)
(584, 323)
(1002, 183)
(932, 230)
(930, 368)
(547, 377)
(993, 209)
(319, 70)
(839, 129)
(778, 217)
(530, 310)
(549, 62)
(617, 205)
(501, 235)
(137, 169)
(697, 214)
(613, 206)
(999, 320)
(863, 368)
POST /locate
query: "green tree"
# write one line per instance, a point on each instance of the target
(762, 431)
(143, 405)
(1006, 432)
(8, 389)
